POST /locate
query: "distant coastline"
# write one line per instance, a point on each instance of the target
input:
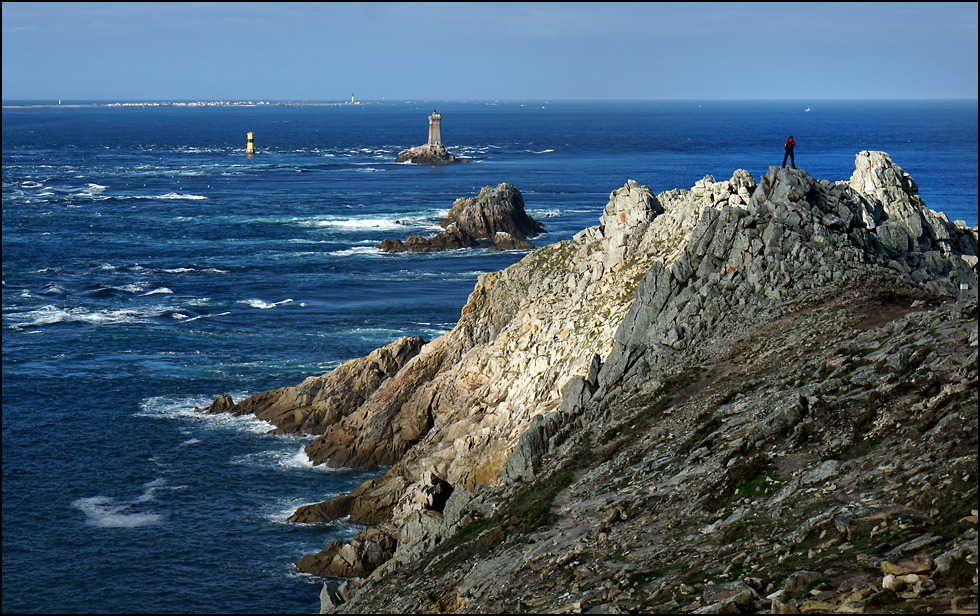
(75, 105)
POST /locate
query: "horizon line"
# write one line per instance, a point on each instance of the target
(277, 101)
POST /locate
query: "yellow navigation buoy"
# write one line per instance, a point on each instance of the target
(250, 145)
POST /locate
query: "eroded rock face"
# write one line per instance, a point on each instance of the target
(494, 218)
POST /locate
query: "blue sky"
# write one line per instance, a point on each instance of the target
(492, 51)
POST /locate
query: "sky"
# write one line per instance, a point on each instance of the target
(311, 51)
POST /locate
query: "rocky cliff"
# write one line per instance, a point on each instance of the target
(739, 397)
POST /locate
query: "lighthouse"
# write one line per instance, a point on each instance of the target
(435, 129)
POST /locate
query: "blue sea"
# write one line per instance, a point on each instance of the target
(149, 265)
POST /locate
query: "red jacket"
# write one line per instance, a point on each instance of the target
(790, 144)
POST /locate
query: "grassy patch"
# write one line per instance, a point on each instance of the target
(743, 475)
(642, 578)
(957, 501)
(761, 485)
(741, 530)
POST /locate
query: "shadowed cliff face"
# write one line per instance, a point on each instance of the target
(639, 330)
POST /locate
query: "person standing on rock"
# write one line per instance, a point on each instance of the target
(790, 144)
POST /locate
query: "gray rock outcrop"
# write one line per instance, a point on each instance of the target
(495, 218)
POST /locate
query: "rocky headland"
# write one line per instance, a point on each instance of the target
(742, 397)
(495, 219)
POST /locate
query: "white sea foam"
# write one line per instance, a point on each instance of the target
(356, 250)
(49, 315)
(357, 223)
(174, 195)
(283, 457)
(261, 305)
(188, 270)
(160, 407)
(299, 460)
(206, 316)
(53, 289)
(159, 291)
(108, 512)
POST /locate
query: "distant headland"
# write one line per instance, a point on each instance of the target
(42, 104)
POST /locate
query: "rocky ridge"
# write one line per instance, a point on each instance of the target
(495, 218)
(706, 357)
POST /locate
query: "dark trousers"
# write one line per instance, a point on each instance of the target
(792, 161)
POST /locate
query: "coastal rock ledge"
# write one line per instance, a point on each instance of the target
(494, 218)
(746, 397)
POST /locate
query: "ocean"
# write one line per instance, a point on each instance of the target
(149, 265)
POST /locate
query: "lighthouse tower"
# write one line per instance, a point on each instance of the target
(435, 129)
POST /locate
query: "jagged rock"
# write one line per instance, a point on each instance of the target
(494, 209)
(737, 592)
(506, 241)
(800, 579)
(357, 558)
(329, 599)
(451, 239)
(624, 219)
(919, 564)
(429, 493)
(494, 218)
(221, 404)
(326, 511)
(321, 401)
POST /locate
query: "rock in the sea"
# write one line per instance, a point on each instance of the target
(495, 209)
(428, 154)
(433, 152)
(494, 218)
